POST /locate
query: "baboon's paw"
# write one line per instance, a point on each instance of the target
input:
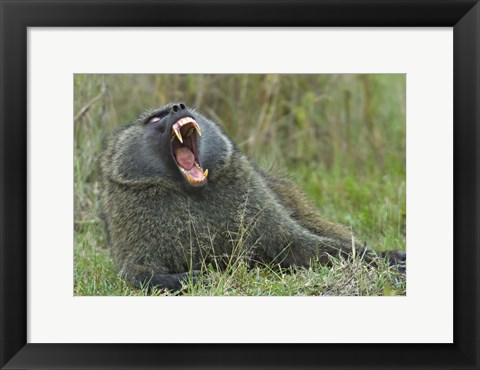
(196, 275)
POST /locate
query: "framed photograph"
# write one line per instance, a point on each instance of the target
(240, 184)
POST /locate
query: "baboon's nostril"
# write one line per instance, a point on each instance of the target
(175, 108)
(182, 106)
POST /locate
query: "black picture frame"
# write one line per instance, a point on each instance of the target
(18, 15)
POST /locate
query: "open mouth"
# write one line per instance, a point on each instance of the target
(184, 149)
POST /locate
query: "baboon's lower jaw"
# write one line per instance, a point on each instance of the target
(199, 177)
(184, 151)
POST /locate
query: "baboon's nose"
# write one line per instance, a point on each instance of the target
(178, 107)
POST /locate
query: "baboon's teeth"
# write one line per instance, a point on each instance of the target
(185, 120)
(197, 127)
(191, 179)
(179, 135)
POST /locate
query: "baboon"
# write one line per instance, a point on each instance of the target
(176, 192)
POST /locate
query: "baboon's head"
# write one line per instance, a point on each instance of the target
(174, 134)
(175, 143)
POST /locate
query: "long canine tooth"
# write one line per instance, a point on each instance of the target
(205, 173)
(197, 127)
(179, 135)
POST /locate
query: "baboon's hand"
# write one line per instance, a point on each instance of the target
(196, 275)
(171, 282)
(202, 278)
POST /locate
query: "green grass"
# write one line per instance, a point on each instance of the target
(340, 137)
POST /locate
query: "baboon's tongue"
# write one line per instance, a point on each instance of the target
(185, 157)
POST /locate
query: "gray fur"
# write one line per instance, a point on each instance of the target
(160, 229)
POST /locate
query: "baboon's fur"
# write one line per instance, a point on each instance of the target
(160, 227)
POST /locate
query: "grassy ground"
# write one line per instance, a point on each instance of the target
(340, 137)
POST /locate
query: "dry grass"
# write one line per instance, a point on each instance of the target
(341, 137)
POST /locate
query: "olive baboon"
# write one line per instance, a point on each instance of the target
(175, 191)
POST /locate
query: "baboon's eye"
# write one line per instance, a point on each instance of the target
(158, 116)
(154, 119)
